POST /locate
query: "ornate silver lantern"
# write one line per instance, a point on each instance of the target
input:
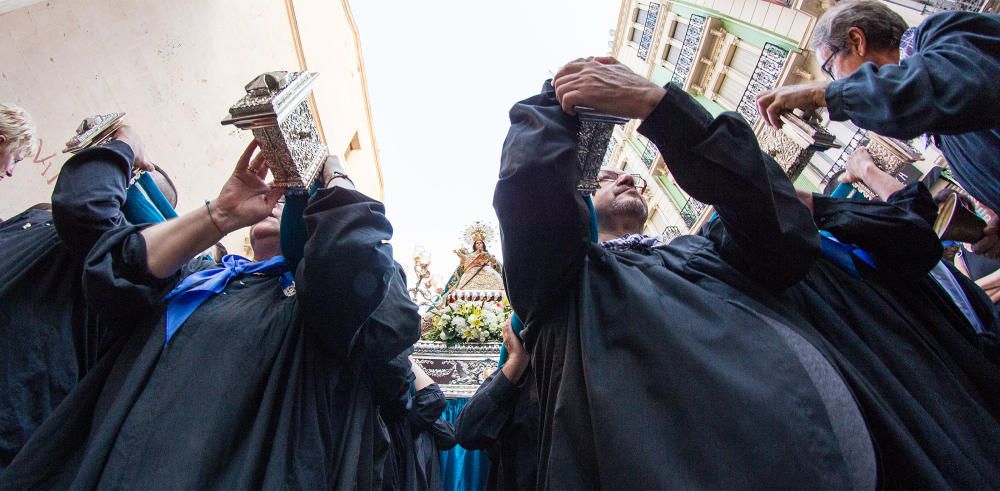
(276, 109)
(93, 131)
(794, 145)
(594, 135)
(890, 155)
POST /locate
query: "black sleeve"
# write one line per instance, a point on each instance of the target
(444, 435)
(390, 383)
(352, 292)
(88, 197)
(117, 282)
(484, 417)
(544, 222)
(428, 404)
(896, 233)
(950, 85)
(717, 161)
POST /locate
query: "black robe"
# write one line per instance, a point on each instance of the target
(416, 433)
(651, 371)
(48, 337)
(947, 88)
(925, 380)
(502, 418)
(256, 390)
(431, 435)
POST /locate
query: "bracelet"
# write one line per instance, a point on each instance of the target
(212, 218)
(341, 175)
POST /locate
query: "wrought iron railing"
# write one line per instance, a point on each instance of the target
(689, 49)
(647, 30)
(649, 152)
(765, 77)
(934, 6)
(859, 138)
(691, 211)
(671, 232)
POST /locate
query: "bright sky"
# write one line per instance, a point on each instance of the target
(441, 77)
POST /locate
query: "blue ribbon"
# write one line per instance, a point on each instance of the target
(843, 254)
(194, 290)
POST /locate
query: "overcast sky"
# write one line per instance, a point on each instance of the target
(441, 78)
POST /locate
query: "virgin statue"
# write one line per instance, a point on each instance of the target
(478, 269)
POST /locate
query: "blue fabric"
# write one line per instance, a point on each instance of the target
(843, 254)
(194, 290)
(461, 469)
(144, 203)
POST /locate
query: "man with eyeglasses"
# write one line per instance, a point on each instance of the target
(652, 368)
(949, 87)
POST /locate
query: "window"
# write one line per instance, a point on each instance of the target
(672, 54)
(636, 35)
(640, 16)
(680, 29)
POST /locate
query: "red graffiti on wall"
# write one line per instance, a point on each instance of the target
(44, 161)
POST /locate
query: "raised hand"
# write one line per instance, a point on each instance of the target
(129, 136)
(607, 86)
(245, 198)
(807, 97)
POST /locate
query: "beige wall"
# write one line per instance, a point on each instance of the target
(175, 68)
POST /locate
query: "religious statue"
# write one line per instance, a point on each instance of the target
(478, 270)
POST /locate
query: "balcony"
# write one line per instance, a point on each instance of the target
(928, 7)
(691, 211)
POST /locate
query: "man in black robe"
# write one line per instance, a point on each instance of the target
(651, 370)
(900, 326)
(947, 87)
(502, 418)
(265, 384)
(48, 336)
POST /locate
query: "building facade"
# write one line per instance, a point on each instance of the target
(175, 68)
(724, 53)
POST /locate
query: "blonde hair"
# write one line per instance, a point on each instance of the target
(17, 127)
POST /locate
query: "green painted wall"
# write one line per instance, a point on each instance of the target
(661, 75)
(747, 32)
(805, 185)
(711, 106)
(673, 192)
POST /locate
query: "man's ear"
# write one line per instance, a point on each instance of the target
(3, 139)
(857, 40)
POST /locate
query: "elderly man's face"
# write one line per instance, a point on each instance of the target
(265, 235)
(619, 196)
(10, 156)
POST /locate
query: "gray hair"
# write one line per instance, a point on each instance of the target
(883, 28)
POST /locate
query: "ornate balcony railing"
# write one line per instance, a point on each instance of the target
(860, 138)
(647, 30)
(689, 49)
(692, 211)
(649, 152)
(671, 232)
(934, 6)
(765, 76)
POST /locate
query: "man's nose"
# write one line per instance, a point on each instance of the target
(626, 179)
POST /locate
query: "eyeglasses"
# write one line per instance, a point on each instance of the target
(637, 181)
(827, 65)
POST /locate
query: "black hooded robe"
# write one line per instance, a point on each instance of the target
(926, 381)
(48, 336)
(646, 377)
(256, 390)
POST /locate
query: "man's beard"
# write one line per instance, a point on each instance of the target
(630, 206)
